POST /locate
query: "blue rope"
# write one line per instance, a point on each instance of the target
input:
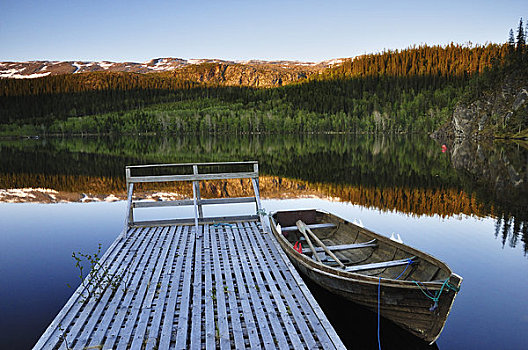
(222, 224)
(409, 263)
(379, 293)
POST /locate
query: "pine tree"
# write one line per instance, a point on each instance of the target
(521, 40)
(511, 42)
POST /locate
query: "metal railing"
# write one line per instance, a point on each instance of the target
(195, 177)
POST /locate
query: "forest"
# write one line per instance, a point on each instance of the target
(412, 90)
(402, 91)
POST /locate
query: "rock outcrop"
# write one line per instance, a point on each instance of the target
(245, 75)
(496, 113)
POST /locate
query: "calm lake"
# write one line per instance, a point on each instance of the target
(468, 206)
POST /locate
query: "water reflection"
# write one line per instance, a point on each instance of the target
(510, 229)
(365, 160)
(409, 174)
(497, 172)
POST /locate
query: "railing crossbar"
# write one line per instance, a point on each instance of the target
(188, 164)
(192, 177)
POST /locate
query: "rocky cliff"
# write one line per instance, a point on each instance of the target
(262, 75)
(501, 111)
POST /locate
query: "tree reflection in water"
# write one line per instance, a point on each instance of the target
(409, 174)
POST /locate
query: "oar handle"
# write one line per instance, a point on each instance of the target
(304, 229)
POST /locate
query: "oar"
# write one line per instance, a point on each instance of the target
(303, 228)
(303, 231)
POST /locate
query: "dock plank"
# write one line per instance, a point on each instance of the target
(254, 289)
(198, 295)
(140, 287)
(221, 304)
(234, 311)
(243, 293)
(124, 300)
(171, 315)
(158, 303)
(327, 336)
(183, 310)
(157, 262)
(221, 287)
(270, 300)
(210, 295)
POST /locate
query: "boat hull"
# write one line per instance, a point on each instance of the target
(403, 303)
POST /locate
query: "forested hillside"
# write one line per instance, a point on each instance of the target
(412, 90)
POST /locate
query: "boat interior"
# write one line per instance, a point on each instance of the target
(331, 241)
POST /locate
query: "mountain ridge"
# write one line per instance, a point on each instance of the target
(37, 69)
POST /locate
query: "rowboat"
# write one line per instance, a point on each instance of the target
(404, 285)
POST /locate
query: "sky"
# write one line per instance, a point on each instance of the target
(307, 30)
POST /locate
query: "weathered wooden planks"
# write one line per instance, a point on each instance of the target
(224, 286)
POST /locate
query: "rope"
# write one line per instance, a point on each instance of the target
(409, 263)
(436, 296)
(223, 224)
(263, 212)
(424, 290)
(379, 293)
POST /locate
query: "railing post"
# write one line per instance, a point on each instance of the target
(256, 189)
(256, 185)
(196, 185)
(195, 194)
(130, 209)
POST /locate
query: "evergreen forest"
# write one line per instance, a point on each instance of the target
(402, 91)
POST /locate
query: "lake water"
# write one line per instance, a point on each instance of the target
(467, 206)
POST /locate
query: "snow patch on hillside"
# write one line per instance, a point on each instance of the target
(105, 64)
(14, 74)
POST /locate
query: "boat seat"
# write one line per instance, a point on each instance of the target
(371, 243)
(378, 265)
(312, 226)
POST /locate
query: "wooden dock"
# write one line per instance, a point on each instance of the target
(195, 283)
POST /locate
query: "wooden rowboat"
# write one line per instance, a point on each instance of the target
(416, 290)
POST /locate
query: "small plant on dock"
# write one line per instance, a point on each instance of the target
(288, 310)
(123, 279)
(99, 278)
(63, 336)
